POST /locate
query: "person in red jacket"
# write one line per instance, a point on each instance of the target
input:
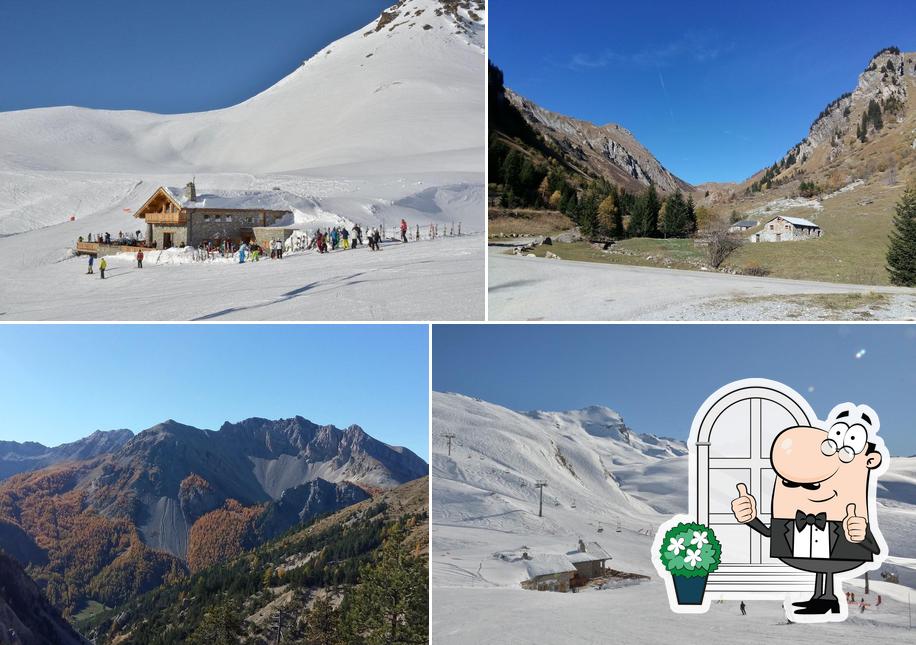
(404, 230)
(140, 259)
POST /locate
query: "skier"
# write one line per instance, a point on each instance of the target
(404, 230)
(140, 259)
(102, 266)
(743, 609)
(335, 238)
(345, 238)
(357, 235)
(418, 233)
(242, 250)
(91, 260)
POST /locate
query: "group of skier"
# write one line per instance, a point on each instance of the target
(338, 237)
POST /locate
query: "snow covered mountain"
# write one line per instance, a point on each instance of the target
(404, 94)
(407, 85)
(592, 463)
(605, 483)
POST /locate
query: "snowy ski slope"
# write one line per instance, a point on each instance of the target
(601, 476)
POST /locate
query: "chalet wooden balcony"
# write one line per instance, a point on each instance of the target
(174, 219)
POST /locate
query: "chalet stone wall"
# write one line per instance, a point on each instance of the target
(215, 227)
(179, 235)
(780, 230)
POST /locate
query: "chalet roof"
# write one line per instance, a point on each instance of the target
(745, 223)
(276, 200)
(593, 552)
(797, 221)
(549, 564)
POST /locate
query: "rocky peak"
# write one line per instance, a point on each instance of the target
(885, 81)
(610, 151)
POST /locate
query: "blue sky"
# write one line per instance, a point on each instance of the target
(62, 382)
(165, 56)
(657, 376)
(714, 89)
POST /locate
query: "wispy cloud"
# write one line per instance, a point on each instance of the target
(661, 80)
(694, 46)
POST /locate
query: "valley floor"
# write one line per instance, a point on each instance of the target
(440, 279)
(525, 288)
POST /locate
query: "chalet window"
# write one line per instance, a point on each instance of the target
(228, 218)
(206, 218)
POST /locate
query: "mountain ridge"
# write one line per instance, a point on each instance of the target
(175, 495)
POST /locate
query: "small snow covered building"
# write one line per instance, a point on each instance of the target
(742, 226)
(589, 560)
(787, 229)
(550, 572)
(176, 217)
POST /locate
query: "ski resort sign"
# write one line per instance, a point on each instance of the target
(788, 498)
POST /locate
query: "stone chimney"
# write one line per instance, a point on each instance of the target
(190, 192)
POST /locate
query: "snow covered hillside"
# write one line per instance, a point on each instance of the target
(605, 483)
(406, 91)
(383, 124)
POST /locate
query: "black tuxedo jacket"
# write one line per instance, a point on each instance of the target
(782, 539)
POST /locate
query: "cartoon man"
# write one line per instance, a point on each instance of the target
(820, 500)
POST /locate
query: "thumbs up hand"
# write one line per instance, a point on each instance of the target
(744, 506)
(854, 526)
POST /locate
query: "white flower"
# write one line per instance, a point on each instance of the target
(693, 557)
(699, 538)
(677, 545)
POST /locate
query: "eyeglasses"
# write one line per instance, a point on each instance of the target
(829, 448)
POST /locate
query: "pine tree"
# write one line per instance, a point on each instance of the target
(322, 624)
(691, 217)
(390, 605)
(220, 624)
(901, 253)
(675, 217)
(512, 168)
(644, 221)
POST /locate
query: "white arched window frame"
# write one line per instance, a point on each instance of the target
(742, 408)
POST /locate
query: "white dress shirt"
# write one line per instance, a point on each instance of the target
(811, 542)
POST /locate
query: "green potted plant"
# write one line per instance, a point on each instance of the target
(690, 552)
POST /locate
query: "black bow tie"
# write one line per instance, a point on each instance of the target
(803, 519)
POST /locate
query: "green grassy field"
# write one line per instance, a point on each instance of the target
(91, 609)
(653, 253)
(852, 249)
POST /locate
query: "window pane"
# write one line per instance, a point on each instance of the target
(723, 487)
(774, 419)
(731, 432)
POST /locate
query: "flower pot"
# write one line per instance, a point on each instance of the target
(690, 591)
